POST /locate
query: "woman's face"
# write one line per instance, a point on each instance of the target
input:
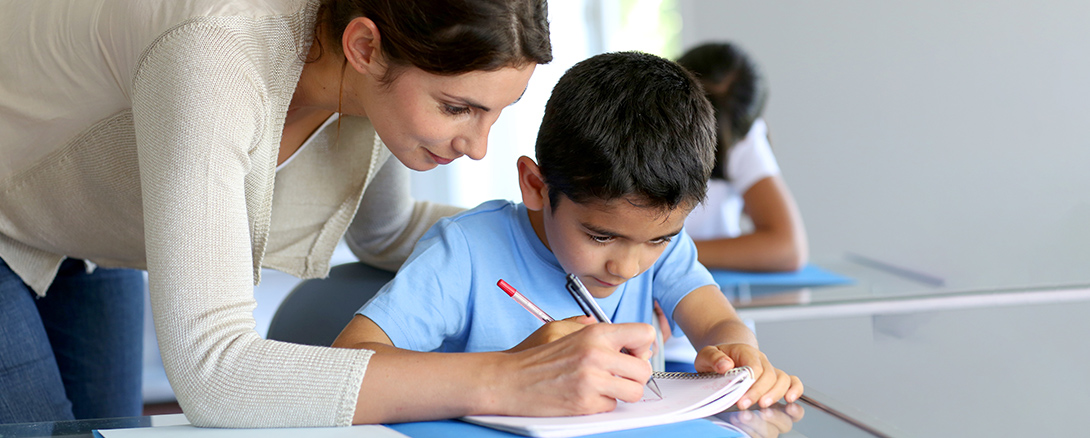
(427, 119)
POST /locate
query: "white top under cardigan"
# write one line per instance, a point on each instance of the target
(145, 135)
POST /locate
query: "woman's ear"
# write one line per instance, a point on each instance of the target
(534, 191)
(361, 44)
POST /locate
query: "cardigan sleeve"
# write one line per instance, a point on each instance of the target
(200, 109)
(389, 221)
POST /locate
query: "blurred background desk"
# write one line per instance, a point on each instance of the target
(934, 360)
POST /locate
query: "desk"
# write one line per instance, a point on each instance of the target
(986, 371)
(884, 288)
(815, 423)
(930, 355)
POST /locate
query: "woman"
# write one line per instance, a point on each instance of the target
(149, 136)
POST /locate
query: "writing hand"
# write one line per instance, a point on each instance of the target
(552, 331)
(581, 373)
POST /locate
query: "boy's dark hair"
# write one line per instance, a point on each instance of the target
(627, 123)
(739, 96)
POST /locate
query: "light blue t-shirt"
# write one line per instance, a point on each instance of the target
(445, 297)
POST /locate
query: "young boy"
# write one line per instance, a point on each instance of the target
(625, 150)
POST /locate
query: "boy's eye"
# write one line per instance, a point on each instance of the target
(661, 241)
(455, 110)
(601, 239)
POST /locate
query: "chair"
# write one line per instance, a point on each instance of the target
(316, 311)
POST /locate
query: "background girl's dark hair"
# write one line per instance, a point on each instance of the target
(736, 89)
(448, 37)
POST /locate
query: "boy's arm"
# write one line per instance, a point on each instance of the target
(363, 333)
(724, 342)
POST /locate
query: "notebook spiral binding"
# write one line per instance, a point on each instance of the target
(681, 375)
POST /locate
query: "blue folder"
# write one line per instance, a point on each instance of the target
(809, 275)
(449, 428)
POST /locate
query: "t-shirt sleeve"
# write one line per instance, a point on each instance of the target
(751, 159)
(427, 301)
(677, 273)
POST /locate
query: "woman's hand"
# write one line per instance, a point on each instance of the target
(771, 384)
(581, 373)
(552, 331)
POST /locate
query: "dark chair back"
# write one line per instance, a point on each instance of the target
(316, 311)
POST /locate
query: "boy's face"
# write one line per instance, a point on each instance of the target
(605, 243)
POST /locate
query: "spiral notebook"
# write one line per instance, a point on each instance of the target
(685, 396)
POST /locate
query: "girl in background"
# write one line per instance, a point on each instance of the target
(746, 177)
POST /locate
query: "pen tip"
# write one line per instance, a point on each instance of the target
(654, 387)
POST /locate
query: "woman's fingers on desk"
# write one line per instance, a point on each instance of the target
(584, 372)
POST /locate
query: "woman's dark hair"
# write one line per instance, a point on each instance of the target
(736, 89)
(448, 37)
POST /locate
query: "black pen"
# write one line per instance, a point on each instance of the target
(590, 308)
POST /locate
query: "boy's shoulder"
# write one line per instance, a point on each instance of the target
(496, 209)
(483, 229)
(484, 218)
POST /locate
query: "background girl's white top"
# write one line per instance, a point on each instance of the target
(749, 161)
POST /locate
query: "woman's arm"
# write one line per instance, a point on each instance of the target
(778, 240)
(202, 138)
(581, 373)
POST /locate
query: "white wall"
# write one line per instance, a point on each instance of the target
(949, 137)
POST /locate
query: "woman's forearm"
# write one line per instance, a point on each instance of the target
(405, 386)
(582, 373)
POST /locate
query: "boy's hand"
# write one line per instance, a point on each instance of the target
(771, 385)
(553, 331)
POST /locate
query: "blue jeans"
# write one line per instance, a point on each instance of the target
(77, 352)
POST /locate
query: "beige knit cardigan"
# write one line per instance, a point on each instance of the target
(146, 136)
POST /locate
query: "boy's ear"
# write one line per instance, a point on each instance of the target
(534, 191)
(360, 43)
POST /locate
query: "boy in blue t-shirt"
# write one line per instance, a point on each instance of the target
(625, 150)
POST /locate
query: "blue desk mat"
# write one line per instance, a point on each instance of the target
(449, 428)
(809, 275)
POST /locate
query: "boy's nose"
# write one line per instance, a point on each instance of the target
(625, 266)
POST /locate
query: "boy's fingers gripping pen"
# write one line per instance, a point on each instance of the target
(591, 308)
(525, 302)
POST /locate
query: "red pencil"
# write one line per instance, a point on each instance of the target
(525, 302)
